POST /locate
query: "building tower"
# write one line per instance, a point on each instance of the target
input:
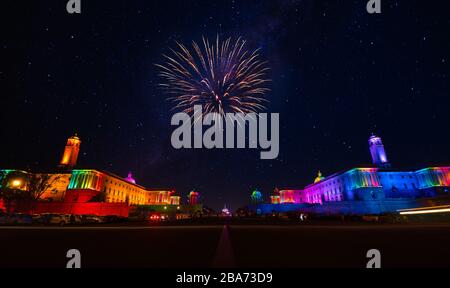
(70, 156)
(193, 198)
(379, 157)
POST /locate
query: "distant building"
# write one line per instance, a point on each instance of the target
(87, 183)
(256, 197)
(193, 198)
(225, 211)
(275, 198)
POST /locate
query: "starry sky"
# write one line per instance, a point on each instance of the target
(338, 75)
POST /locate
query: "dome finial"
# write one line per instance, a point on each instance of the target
(319, 177)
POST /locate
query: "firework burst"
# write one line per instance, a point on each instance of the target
(222, 77)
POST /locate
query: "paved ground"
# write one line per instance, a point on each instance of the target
(258, 246)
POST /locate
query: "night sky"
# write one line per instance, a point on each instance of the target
(338, 74)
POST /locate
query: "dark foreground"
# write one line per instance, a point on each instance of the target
(256, 246)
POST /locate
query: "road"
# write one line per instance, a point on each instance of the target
(203, 246)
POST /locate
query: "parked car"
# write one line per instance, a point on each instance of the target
(20, 218)
(42, 218)
(90, 219)
(17, 218)
(60, 219)
(3, 219)
(137, 218)
(154, 217)
(370, 218)
(76, 219)
(113, 219)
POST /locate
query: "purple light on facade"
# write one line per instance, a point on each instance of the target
(377, 152)
(130, 178)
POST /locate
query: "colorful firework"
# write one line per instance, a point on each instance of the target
(223, 77)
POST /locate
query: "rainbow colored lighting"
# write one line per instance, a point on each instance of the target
(86, 179)
(275, 199)
(256, 196)
(289, 196)
(434, 177)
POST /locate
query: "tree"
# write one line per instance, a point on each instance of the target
(18, 186)
(11, 187)
(38, 184)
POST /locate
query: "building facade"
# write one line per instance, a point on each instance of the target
(68, 185)
(379, 183)
(87, 184)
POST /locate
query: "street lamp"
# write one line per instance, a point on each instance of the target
(16, 183)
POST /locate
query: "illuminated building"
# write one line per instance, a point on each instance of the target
(256, 197)
(355, 184)
(365, 186)
(371, 184)
(70, 155)
(90, 191)
(86, 184)
(175, 200)
(55, 192)
(275, 199)
(193, 198)
(225, 211)
(289, 196)
(379, 158)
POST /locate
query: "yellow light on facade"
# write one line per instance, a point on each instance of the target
(165, 207)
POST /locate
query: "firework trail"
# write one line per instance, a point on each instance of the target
(223, 77)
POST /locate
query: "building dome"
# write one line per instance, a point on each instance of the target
(193, 193)
(226, 211)
(319, 177)
(130, 178)
(75, 137)
(256, 196)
